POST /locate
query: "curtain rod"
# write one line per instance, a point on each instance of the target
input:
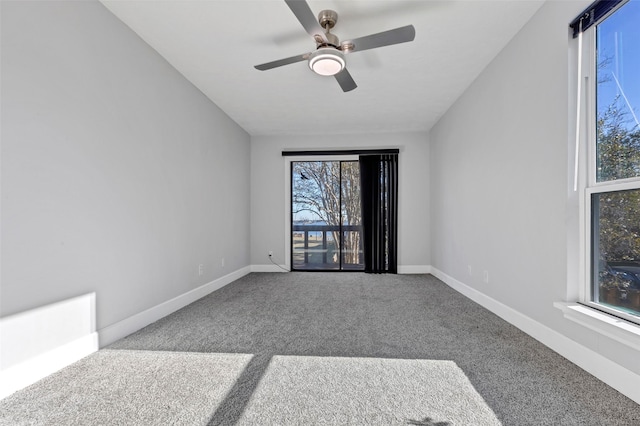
(592, 14)
(341, 152)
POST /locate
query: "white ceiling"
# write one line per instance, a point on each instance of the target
(405, 87)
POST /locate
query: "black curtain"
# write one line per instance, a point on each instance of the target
(379, 195)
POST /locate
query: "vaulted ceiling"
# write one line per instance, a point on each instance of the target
(406, 87)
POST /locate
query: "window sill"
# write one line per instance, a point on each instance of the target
(615, 328)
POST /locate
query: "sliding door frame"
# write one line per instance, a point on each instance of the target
(288, 160)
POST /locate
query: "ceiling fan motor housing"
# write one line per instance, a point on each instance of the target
(327, 60)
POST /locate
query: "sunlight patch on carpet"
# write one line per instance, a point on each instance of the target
(129, 387)
(332, 390)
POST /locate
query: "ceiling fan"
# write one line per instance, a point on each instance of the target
(329, 57)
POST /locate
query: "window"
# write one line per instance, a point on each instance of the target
(612, 201)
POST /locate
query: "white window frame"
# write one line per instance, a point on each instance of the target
(578, 308)
(589, 184)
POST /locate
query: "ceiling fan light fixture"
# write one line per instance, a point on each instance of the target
(327, 61)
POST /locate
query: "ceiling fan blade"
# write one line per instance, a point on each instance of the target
(303, 12)
(281, 62)
(345, 80)
(385, 38)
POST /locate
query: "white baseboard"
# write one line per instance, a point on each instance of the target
(134, 323)
(30, 371)
(623, 380)
(42, 340)
(414, 269)
(402, 269)
(268, 268)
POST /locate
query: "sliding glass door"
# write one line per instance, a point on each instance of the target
(326, 218)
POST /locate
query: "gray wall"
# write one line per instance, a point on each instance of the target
(500, 180)
(268, 176)
(118, 176)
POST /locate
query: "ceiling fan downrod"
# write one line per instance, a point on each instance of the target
(327, 20)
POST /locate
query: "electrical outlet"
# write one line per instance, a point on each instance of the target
(270, 253)
(200, 269)
(486, 277)
(470, 271)
(222, 262)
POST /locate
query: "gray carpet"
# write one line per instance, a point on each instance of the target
(128, 387)
(324, 348)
